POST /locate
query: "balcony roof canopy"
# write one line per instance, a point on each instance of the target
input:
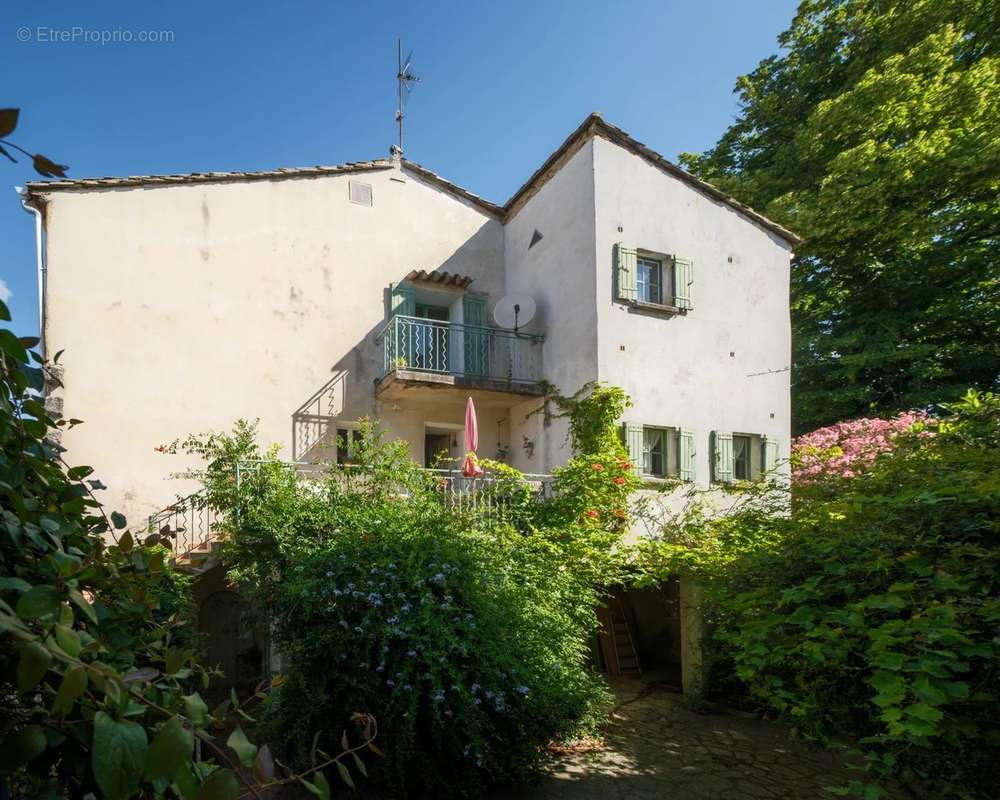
(442, 278)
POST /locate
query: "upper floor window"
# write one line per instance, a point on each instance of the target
(643, 276)
(649, 280)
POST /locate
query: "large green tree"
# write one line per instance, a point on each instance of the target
(876, 136)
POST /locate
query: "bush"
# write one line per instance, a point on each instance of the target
(467, 638)
(98, 665)
(869, 616)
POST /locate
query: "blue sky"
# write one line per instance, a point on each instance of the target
(254, 85)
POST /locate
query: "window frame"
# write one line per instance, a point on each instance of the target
(644, 279)
(351, 429)
(665, 284)
(747, 460)
(670, 444)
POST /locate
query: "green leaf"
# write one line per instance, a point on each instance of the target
(74, 684)
(10, 344)
(81, 602)
(175, 659)
(20, 747)
(14, 585)
(119, 756)
(321, 784)
(924, 712)
(345, 774)
(221, 785)
(118, 520)
(39, 601)
(243, 747)
(195, 710)
(69, 640)
(360, 765)
(928, 692)
(32, 665)
(171, 748)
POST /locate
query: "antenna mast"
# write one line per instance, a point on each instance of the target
(404, 83)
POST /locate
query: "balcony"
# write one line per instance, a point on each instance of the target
(422, 356)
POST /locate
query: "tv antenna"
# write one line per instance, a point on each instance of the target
(405, 80)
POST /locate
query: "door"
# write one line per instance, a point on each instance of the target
(477, 337)
(226, 642)
(437, 450)
(430, 338)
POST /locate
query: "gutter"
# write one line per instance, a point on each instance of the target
(40, 265)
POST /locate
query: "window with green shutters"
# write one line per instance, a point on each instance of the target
(683, 279)
(625, 271)
(633, 440)
(402, 300)
(685, 455)
(769, 454)
(643, 276)
(660, 452)
(723, 466)
(477, 339)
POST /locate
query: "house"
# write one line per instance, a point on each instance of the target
(310, 298)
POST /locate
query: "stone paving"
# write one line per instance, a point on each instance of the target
(656, 749)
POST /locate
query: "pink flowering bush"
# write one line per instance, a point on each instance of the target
(848, 448)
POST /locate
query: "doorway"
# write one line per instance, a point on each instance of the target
(438, 450)
(430, 338)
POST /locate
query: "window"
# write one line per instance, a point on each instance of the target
(654, 278)
(741, 457)
(345, 445)
(649, 274)
(654, 452)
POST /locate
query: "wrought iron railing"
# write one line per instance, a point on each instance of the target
(191, 525)
(452, 348)
(187, 525)
(494, 497)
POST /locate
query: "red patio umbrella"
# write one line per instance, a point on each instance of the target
(470, 467)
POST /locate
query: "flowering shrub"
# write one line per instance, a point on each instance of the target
(470, 638)
(869, 613)
(848, 448)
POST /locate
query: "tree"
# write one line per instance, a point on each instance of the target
(874, 136)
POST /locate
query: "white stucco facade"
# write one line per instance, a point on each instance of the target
(183, 306)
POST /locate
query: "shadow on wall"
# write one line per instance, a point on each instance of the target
(350, 393)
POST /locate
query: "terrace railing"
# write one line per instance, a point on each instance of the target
(190, 525)
(452, 348)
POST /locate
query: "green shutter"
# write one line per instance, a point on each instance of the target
(683, 278)
(685, 455)
(632, 436)
(625, 267)
(477, 342)
(770, 453)
(722, 457)
(403, 300)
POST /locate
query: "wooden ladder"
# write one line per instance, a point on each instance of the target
(624, 646)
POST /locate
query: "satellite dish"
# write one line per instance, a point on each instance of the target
(514, 311)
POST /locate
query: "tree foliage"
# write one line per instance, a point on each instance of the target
(874, 136)
(99, 669)
(463, 617)
(868, 616)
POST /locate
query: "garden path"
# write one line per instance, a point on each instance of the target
(656, 749)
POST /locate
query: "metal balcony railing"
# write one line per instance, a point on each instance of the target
(452, 348)
(190, 525)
